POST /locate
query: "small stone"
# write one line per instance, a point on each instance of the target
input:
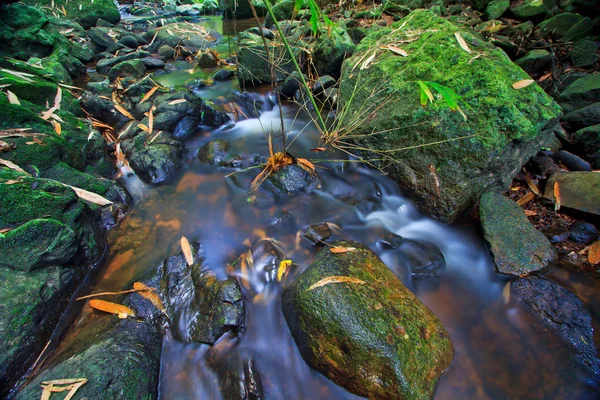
(166, 52)
(153, 63)
(557, 234)
(207, 60)
(583, 232)
(224, 75)
(129, 41)
(317, 233)
(542, 166)
(572, 162)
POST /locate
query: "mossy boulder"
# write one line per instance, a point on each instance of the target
(157, 162)
(330, 50)
(282, 11)
(588, 142)
(436, 155)
(559, 25)
(518, 248)
(192, 38)
(524, 9)
(581, 93)
(371, 336)
(496, 8)
(85, 12)
(213, 152)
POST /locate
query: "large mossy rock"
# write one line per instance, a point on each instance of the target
(376, 339)
(53, 240)
(518, 247)
(85, 12)
(503, 129)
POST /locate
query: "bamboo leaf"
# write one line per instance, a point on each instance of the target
(12, 165)
(395, 50)
(522, 83)
(150, 121)
(12, 98)
(425, 92)
(21, 75)
(149, 94)
(462, 42)
(341, 249)
(148, 293)
(178, 101)
(57, 127)
(113, 308)
(306, 164)
(90, 196)
(336, 279)
(187, 251)
(144, 128)
(123, 111)
(556, 196)
(526, 198)
(58, 98)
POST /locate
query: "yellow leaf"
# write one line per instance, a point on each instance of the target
(462, 42)
(526, 198)
(522, 83)
(123, 111)
(90, 196)
(147, 293)
(178, 101)
(341, 249)
(284, 265)
(149, 94)
(532, 185)
(144, 128)
(57, 127)
(113, 308)
(594, 253)
(336, 279)
(12, 98)
(187, 251)
(556, 196)
(306, 164)
(506, 293)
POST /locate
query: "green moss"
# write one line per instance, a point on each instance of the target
(86, 12)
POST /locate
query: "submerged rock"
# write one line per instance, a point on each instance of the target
(157, 162)
(317, 233)
(373, 337)
(291, 178)
(508, 126)
(213, 152)
(563, 313)
(578, 190)
(518, 248)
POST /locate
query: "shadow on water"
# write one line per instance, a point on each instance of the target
(500, 352)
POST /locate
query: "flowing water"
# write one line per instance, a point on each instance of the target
(500, 352)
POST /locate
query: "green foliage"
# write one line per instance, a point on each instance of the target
(450, 96)
(316, 15)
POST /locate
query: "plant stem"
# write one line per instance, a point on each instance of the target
(293, 57)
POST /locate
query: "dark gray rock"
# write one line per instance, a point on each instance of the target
(583, 232)
(535, 61)
(186, 127)
(224, 75)
(324, 82)
(153, 63)
(578, 190)
(582, 92)
(290, 85)
(317, 233)
(518, 248)
(291, 178)
(557, 234)
(584, 53)
(586, 116)
(134, 68)
(166, 52)
(563, 313)
(571, 161)
(587, 141)
(100, 37)
(129, 41)
(157, 162)
(213, 152)
(103, 66)
(542, 166)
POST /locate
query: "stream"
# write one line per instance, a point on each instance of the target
(500, 351)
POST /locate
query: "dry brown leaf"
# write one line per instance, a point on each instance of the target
(123, 111)
(4, 146)
(57, 127)
(113, 308)
(58, 98)
(149, 94)
(89, 296)
(18, 74)
(534, 188)
(155, 137)
(366, 63)
(318, 149)
(148, 293)
(306, 164)
(526, 198)
(341, 249)
(90, 196)
(556, 196)
(506, 293)
(18, 132)
(12, 165)
(144, 128)
(67, 381)
(178, 101)
(48, 113)
(284, 265)
(395, 50)
(76, 387)
(150, 121)
(187, 251)
(336, 279)
(12, 98)
(522, 83)
(594, 253)
(462, 42)
(530, 213)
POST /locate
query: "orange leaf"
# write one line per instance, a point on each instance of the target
(530, 213)
(526, 198)
(556, 196)
(113, 308)
(150, 121)
(149, 94)
(123, 111)
(522, 83)
(144, 128)
(147, 293)
(341, 249)
(594, 253)
(336, 279)
(318, 149)
(187, 251)
(306, 164)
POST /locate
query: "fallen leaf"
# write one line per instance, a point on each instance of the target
(12, 165)
(187, 251)
(48, 113)
(462, 42)
(341, 249)
(396, 50)
(67, 381)
(318, 149)
(18, 132)
(150, 121)
(148, 293)
(113, 308)
(506, 293)
(284, 265)
(155, 136)
(6, 146)
(123, 111)
(57, 127)
(556, 196)
(90, 196)
(366, 63)
(89, 296)
(149, 94)
(306, 164)
(336, 279)
(178, 101)
(522, 83)
(18, 74)
(534, 188)
(530, 213)
(12, 98)
(58, 98)
(526, 198)
(594, 253)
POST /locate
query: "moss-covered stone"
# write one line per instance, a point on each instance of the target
(282, 11)
(584, 53)
(213, 152)
(529, 8)
(504, 127)
(518, 248)
(85, 12)
(581, 93)
(559, 25)
(578, 190)
(330, 50)
(535, 61)
(157, 162)
(496, 8)
(376, 339)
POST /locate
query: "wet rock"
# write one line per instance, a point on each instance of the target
(497, 158)
(585, 116)
(157, 162)
(422, 259)
(584, 53)
(290, 85)
(129, 41)
(207, 60)
(587, 140)
(104, 66)
(578, 190)
(213, 152)
(283, 10)
(100, 37)
(583, 232)
(542, 166)
(182, 34)
(290, 178)
(166, 52)
(324, 82)
(496, 8)
(85, 12)
(518, 248)
(350, 194)
(535, 62)
(224, 75)
(583, 92)
(153, 63)
(580, 30)
(134, 68)
(408, 348)
(317, 233)
(186, 128)
(560, 311)
(529, 9)
(557, 233)
(330, 50)
(571, 161)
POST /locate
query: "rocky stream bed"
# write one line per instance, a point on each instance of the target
(392, 200)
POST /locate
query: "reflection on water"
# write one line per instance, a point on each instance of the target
(500, 352)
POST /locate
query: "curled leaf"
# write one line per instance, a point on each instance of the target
(336, 279)
(187, 251)
(113, 308)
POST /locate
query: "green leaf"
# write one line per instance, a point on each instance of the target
(2, 235)
(425, 93)
(298, 5)
(314, 19)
